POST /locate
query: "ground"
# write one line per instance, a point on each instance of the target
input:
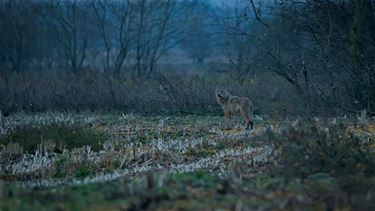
(126, 161)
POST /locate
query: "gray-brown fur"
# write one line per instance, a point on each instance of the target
(233, 105)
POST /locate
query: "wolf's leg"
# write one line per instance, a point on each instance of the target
(228, 119)
(250, 123)
(245, 113)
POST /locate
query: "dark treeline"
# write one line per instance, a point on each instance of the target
(311, 57)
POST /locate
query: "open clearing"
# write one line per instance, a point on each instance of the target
(133, 162)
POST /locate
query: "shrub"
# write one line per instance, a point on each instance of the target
(30, 138)
(82, 171)
(312, 148)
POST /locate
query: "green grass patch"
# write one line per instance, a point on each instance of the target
(82, 171)
(199, 190)
(196, 179)
(203, 152)
(63, 136)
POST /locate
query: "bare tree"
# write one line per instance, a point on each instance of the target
(19, 34)
(238, 32)
(341, 37)
(316, 46)
(196, 40)
(158, 25)
(116, 24)
(69, 21)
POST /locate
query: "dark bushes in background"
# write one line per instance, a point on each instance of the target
(165, 93)
(336, 163)
(313, 147)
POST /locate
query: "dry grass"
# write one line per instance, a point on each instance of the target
(138, 146)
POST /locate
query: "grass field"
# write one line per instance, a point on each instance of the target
(130, 162)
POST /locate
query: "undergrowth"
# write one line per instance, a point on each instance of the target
(62, 136)
(173, 163)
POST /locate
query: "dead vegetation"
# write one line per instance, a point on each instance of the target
(265, 163)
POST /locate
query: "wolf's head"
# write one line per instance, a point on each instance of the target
(222, 95)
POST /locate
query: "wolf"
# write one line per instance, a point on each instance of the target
(233, 105)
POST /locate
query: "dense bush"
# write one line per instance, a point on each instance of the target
(54, 137)
(311, 148)
(168, 93)
(341, 158)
